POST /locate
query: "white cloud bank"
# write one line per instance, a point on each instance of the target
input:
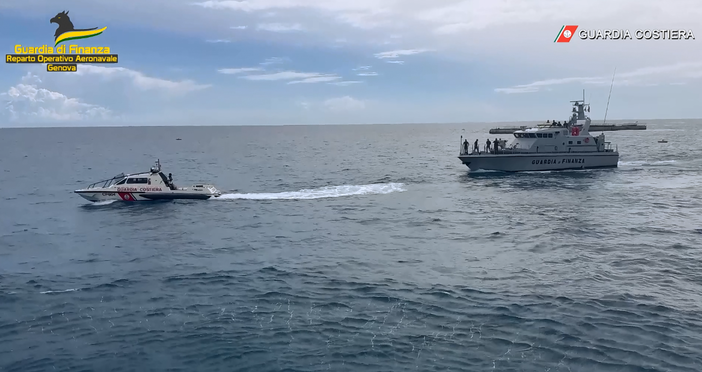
(291, 76)
(31, 101)
(28, 102)
(487, 30)
(140, 80)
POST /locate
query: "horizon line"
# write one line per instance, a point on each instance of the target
(642, 121)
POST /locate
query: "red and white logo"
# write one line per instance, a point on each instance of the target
(575, 131)
(587, 139)
(566, 33)
(126, 196)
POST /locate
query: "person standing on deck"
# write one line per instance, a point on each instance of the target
(487, 145)
(475, 146)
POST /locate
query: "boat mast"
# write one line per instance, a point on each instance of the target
(610, 96)
(586, 125)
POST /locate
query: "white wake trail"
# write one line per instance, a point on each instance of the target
(104, 202)
(320, 193)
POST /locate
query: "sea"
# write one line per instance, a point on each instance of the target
(348, 248)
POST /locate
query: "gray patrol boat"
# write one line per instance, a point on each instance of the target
(545, 147)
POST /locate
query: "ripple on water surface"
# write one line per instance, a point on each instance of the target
(339, 248)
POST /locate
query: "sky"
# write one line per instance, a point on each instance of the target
(277, 62)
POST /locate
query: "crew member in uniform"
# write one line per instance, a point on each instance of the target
(487, 145)
(170, 181)
(475, 147)
(465, 146)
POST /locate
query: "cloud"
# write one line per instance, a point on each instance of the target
(294, 76)
(345, 103)
(646, 76)
(396, 62)
(27, 102)
(368, 74)
(362, 14)
(476, 30)
(266, 62)
(140, 80)
(397, 53)
(346, 82)
(238, 27)
(362, 68)
(363, 20)
(343, 6)
(218, 41)
(275, 61)
(318, 79)
(299, 77)
(240, 70)
(283, 75)
(279, 27)
(537, 85)
(304, 104)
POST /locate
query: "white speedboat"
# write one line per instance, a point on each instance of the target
(549, 146)
(145, 186)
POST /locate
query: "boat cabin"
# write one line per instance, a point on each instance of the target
(569, 136)
(154, 179)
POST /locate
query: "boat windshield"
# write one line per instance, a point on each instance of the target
(108, 182)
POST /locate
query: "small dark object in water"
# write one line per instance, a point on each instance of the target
(178, 139)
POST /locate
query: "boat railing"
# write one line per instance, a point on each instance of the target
(491, 150)
(106, 183)
(515, 149)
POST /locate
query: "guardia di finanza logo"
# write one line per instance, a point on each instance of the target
(66, 31)
(63, 56)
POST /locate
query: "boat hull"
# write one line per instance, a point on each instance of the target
(107, 195)
(540, 162)
(175, 196)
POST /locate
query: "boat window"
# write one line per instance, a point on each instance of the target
(539, 135)
(516, 135)
(550, 135)
(570, 142)
(532, 135)
(137, 180)
(578, 142)
(122, 182)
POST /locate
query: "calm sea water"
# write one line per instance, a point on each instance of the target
(348, 248)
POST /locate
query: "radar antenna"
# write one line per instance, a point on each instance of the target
(157, 167)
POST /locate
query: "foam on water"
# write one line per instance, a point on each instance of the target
(645, 162)
(104, 202)
(322, 192)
